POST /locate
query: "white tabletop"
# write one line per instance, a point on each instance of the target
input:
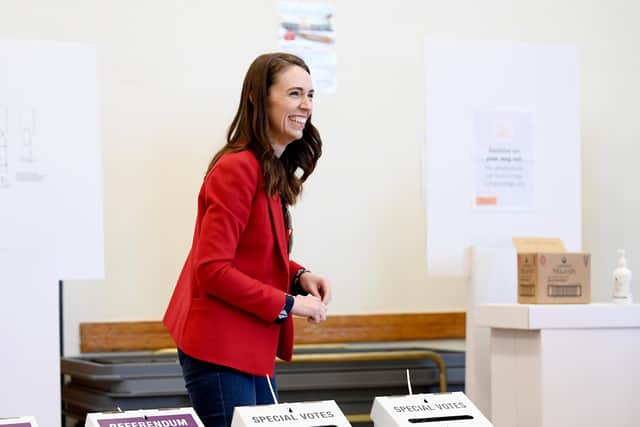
(559, 316)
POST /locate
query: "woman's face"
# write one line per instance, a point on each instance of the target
(289, 106)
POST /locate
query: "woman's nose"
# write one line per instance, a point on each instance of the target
(306, 103)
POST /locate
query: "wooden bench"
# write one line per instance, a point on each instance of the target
(152, 335)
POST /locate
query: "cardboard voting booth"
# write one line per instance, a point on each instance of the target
(180, 417)
(18, 422)
(302, 414)
(445, 409)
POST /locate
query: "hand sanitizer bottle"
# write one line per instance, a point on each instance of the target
(622, 282)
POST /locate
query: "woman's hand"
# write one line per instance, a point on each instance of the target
(316, 285)
(311, 307)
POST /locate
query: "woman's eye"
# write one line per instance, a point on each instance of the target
(294, 93)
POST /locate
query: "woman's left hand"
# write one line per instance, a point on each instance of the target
(316, 285)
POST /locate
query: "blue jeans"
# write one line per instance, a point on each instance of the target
(215, 390)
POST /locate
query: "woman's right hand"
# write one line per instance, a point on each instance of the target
(311, 307)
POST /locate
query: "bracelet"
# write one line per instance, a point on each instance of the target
(296, 277)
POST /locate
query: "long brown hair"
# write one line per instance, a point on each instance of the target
(248, 130)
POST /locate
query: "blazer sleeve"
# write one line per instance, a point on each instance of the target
(293, 268)
(229, 192)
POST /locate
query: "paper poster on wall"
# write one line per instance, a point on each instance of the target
(50, 154)
(308, 31)
(502, 148)
(503, 160)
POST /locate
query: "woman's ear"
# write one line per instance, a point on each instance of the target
(251, 98)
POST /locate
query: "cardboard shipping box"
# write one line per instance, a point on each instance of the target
(547, 274)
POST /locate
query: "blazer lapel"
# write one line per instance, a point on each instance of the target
(277, 223)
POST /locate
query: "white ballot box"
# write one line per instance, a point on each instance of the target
(302, 414)
(18, 422)
(445, 409)
(177, 417)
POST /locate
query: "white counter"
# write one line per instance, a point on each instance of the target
(564, 365)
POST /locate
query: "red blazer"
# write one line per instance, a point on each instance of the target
(233, 283)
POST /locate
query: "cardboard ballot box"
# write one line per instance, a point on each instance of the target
(18, 422)
(547, 274)
(444, 409)
(180, 417)
(302, 414)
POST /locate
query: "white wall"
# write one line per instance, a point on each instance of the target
(170, 76)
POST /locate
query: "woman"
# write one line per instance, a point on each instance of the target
(230, 313)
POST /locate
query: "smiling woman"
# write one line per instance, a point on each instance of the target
(230, 313)
(289, 107)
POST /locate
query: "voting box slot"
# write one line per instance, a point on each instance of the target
(444, 409)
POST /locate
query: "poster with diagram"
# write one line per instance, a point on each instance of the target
(50, 156)
(25, 157)
(308, 31)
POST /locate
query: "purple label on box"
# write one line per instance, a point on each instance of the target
(20, 424)
(175, 420)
